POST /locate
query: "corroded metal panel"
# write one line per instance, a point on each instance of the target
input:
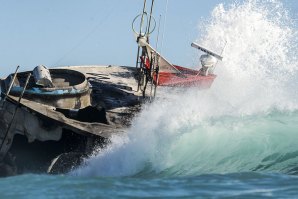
(70, 89)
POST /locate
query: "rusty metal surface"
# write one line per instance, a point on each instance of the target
(70, 91)
(114, 90)
(24, 123)
(57, 118)
(114, 93)
(44, 115)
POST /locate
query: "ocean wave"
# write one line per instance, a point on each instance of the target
(247, 121)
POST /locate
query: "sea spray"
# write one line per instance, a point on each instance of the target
(260, 58)
(247, 121)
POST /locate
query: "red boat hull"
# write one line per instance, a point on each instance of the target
(187, 78)
(184, 78)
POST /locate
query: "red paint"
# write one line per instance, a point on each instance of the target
(187, 78)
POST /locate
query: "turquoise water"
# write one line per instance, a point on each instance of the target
(237, 185)
(235, 140)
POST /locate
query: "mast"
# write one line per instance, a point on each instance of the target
(145, 59)
(140, 33)
(150, 19)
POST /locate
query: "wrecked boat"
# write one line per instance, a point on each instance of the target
(51, 119)
(50, 122)
(155, 70)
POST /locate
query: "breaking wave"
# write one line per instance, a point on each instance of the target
(247, 121)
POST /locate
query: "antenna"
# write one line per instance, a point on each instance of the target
(208, 60)
(144, 74)
(205, 50)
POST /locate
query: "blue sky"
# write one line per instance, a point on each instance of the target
(77, 32)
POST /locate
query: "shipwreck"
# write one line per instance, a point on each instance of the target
(51, 119)
(64, 114)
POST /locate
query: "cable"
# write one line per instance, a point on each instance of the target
(111, 11)
(163, 32)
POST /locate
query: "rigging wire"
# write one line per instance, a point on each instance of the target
(157, 61)
(163, 31)
(83, 39)
(157, 36)
(155, 70)
(150, 17)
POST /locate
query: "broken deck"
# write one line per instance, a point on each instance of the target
(37, 126)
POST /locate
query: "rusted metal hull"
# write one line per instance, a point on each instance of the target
(70, 91)
(44, 134)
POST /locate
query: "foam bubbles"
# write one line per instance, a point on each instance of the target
(234, 126)
(259, 60)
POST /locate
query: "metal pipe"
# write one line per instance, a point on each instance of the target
(157, 78)
(25, 87)
(142, 19)
(13, 116)
(11, 83)
(151, 75)
(150, 17)
(137, 62)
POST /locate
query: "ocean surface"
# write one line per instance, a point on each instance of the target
(234, 185)
(238, 139)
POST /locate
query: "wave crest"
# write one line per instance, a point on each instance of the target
(245, 122)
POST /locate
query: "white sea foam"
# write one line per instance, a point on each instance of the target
(232, 126)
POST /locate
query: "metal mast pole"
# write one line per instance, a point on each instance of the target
(142, 20)
(151, 11)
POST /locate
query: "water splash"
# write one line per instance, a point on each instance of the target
(247, 121)
(260, 59)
